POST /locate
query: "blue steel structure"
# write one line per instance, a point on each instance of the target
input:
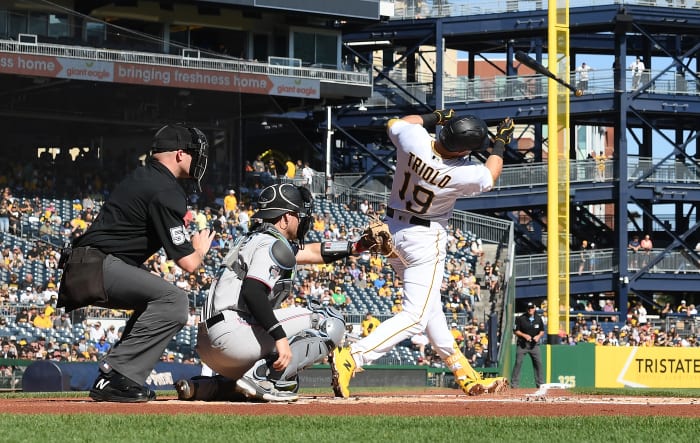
(655, 33)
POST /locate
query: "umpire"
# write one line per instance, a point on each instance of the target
(105, 268)
(529, 328)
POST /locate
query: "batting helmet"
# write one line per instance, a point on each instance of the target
(467, 133)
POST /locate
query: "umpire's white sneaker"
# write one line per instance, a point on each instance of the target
(263, 390)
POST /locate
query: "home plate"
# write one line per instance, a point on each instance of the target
(542, 391)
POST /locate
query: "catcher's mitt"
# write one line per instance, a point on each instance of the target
(377, 238)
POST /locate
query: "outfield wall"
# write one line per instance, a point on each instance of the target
(583, 365)
(588, 365)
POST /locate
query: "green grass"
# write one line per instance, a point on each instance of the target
(199, 428)
(282, 429)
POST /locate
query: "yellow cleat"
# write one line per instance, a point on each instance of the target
(343, 369)
(494, 385)
(471, 387)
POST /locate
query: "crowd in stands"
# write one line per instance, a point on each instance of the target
(638, 329)
(33, 228)
(37, 227)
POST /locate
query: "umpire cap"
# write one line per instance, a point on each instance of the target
(171, 138)
(467, 133)
(277, 200)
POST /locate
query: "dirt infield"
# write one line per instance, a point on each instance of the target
(433, 402)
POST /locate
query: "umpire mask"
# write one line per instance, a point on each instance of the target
(277, 200)
(192, 140)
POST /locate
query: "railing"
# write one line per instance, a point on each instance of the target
(527, 87)
(649, 170)
(187, 61)
(604, 261)
(404, 10)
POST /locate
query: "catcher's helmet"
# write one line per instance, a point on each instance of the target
(192, 140)
(277, 200)
(467, 133)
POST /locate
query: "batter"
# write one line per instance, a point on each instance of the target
(430, 175)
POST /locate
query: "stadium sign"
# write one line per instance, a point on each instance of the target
(156, 75)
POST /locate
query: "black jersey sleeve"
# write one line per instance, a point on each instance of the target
(254, 294)
(167, 213)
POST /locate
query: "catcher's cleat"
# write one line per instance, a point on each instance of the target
(185, 389)
(263, 390)
(343, 369)
(495, 384)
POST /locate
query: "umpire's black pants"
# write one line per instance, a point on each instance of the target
(160, 311)
(533, 350)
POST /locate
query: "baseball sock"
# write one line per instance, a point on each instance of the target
(461, 368)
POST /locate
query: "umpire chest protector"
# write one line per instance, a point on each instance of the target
(264, 255)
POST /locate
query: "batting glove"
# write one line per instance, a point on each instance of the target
(504, 132)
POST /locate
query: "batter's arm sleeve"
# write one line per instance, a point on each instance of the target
(254, 294)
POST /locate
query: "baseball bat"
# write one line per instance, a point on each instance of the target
(537, 67)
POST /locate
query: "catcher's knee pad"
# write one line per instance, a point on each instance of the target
(331, 323)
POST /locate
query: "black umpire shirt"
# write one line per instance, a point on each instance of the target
(144, 213)
(529, 325)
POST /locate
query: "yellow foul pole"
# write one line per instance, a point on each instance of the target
(558, 174)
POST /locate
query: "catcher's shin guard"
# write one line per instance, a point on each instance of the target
(465, 376)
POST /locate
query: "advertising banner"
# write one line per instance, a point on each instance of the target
(647, 367)
(157, 75)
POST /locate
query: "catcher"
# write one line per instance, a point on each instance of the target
(256, 349)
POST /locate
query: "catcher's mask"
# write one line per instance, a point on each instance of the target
(192, 140)
(277, 200)
(464, 134)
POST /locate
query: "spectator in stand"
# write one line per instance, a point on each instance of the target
(634, 246)
(102, 346)
(112, 334)
(96, 332)
(32, 314)
(78, 225)
(22, 317)
(258, 165)
(609, 306)
(692, 311)
(339, 300)
(667, 309)
(62, 323)
(364, 206)
(457, 334)
(192, 317)
(369, 324)
(272, 168)
(637, 69)
(17, 259)
(584, 257)
(682, 308)
(243, 219)
(15, 219)
(46, 231)
(44, 320)
(230, 202)
(646, 246)
(4, 216)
